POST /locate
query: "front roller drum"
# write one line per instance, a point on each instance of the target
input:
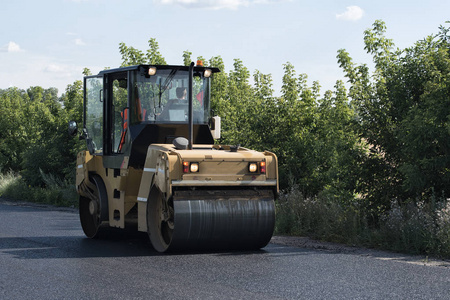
(219, 219)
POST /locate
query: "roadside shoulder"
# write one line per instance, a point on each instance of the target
(10, 202)
(306, 242)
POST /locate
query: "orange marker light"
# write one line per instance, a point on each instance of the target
(185, 167)
(199, 63)
(262, 167)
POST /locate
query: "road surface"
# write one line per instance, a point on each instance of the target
(44, 255)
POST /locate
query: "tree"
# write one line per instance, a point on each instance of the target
(13, 134)
(218, 87)
(154, 57)
(237, 96)
(187, 58)
(131, 56)
(404, 115)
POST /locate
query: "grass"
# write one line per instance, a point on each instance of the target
(59, 193)
(417, 227)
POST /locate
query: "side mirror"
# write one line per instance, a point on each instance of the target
(215, 127)
(73, 128)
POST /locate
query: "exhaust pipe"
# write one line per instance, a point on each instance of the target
(191, 113)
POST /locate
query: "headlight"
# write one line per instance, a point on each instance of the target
(194, 167)
(152, 71)
(253, 167)
(190, 167)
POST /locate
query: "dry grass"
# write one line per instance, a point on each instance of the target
(60, 193)
(417, 227)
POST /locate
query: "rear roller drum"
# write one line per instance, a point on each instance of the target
(160, 221)
(93, 209)
(89, 216)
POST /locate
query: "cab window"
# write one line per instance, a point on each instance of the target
(120, 113)
(94, 113)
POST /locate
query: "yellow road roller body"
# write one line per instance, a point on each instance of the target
(152, 163)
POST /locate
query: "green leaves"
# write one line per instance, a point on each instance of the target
(132, 56)
(33, 132)
(154, 57)
(404, 112)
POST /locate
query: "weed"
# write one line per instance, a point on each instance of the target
(414, 227)
(56, 192)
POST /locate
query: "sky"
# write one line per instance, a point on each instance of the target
(49, 42)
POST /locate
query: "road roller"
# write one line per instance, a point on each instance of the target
(153, 162)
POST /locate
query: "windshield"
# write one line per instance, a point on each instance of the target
(163, 97)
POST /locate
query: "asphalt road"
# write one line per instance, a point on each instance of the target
(44, 255)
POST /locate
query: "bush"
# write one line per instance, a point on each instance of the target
(421, 227)
(443, 229)
(417, 228)
(317, 217)
(6, 181)
(56, 192)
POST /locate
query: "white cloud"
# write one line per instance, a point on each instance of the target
(269, 1)
(29, 69)
(214, 4)
(61, 70)
(79, 42)
(208, 4)
(11, 47)
(54, 68)
(352, 13)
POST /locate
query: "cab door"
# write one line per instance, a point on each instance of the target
(93, 114)
(116, 136)
(117, 112)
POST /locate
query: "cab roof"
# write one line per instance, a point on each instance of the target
(163, 67)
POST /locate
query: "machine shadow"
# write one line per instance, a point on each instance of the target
(115, 243)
